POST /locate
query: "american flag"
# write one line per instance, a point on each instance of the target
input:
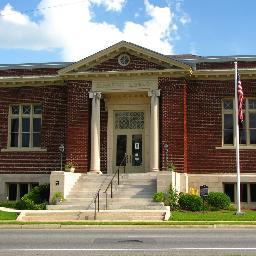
(240, 99)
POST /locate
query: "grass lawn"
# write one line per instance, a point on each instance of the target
(8, 215)
(250, 215)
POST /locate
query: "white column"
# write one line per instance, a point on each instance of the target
(95, 132)
(154, 130)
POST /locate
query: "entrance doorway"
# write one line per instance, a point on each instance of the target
(129, 140)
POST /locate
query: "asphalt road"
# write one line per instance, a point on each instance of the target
(128, 241)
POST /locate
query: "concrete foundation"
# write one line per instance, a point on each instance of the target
(62, 182)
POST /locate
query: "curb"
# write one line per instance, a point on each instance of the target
(99, 226)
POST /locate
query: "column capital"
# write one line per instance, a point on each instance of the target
(155, 93)
(95, 94)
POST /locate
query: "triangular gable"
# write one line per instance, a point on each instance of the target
(138, 54)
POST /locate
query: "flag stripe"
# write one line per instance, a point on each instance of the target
(240, 99)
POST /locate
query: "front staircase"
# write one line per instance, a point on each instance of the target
(135, 193)
(83, 192)
(132, 200)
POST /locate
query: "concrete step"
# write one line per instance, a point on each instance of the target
(109, 215)
(138, 183)
(130, 195)
(135, 192)
(140, 175)
(126, 194)
(73, 207)
(89, 194)
(80, 199)
(135, 207)
(138, 187)
(132, 201)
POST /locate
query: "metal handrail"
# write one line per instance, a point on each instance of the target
(96, 197)
(117, 172)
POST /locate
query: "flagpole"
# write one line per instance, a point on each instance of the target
(237, 145)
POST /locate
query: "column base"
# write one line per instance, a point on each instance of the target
(93, 172)
(155, 170)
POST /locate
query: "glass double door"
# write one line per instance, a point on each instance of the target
(130, 143)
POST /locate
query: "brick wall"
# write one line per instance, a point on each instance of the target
(78, 124)
(103, 136)
(29, 72)
(173, 122)
(53, 100)
(136, 63)
(205, 128)
(225, 65)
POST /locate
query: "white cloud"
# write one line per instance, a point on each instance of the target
(111, 5)
(18, 31)
(192, 47)
(72, 29)
(184, 19)
(13, 16)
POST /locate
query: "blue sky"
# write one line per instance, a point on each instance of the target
(69, 30)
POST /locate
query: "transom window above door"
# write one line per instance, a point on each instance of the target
(129, 120)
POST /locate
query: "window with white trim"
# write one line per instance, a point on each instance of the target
(247, 129)
(25, 123)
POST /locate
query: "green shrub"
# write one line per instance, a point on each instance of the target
(58, 197)
(171, 199)
(27, 204)
(218, 201)
(36, 199)
(8, 204)
(40, 194)
(158, 197)
(190, 202)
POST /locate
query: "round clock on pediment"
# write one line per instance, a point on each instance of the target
(124, 59)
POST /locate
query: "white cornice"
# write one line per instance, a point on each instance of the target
(216, 74)
(172, 72)
(223, 74)
(31, 81)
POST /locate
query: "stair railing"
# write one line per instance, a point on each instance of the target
(96, 200)
(96, 203)
(117, 173)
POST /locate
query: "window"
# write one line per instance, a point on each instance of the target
(253, 192)
(247, 192)
(17, 190)
(124, 60)
(12, 191)
(129, 120)
(229, 190)
(247, 130)
(25, 126)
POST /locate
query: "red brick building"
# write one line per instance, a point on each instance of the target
(127, 99)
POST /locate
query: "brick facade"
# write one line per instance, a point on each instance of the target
(53, 100)
(78, 125)
(136, 63)
(103, 136)
(173, 122)
(190, 121)
(205, 128)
